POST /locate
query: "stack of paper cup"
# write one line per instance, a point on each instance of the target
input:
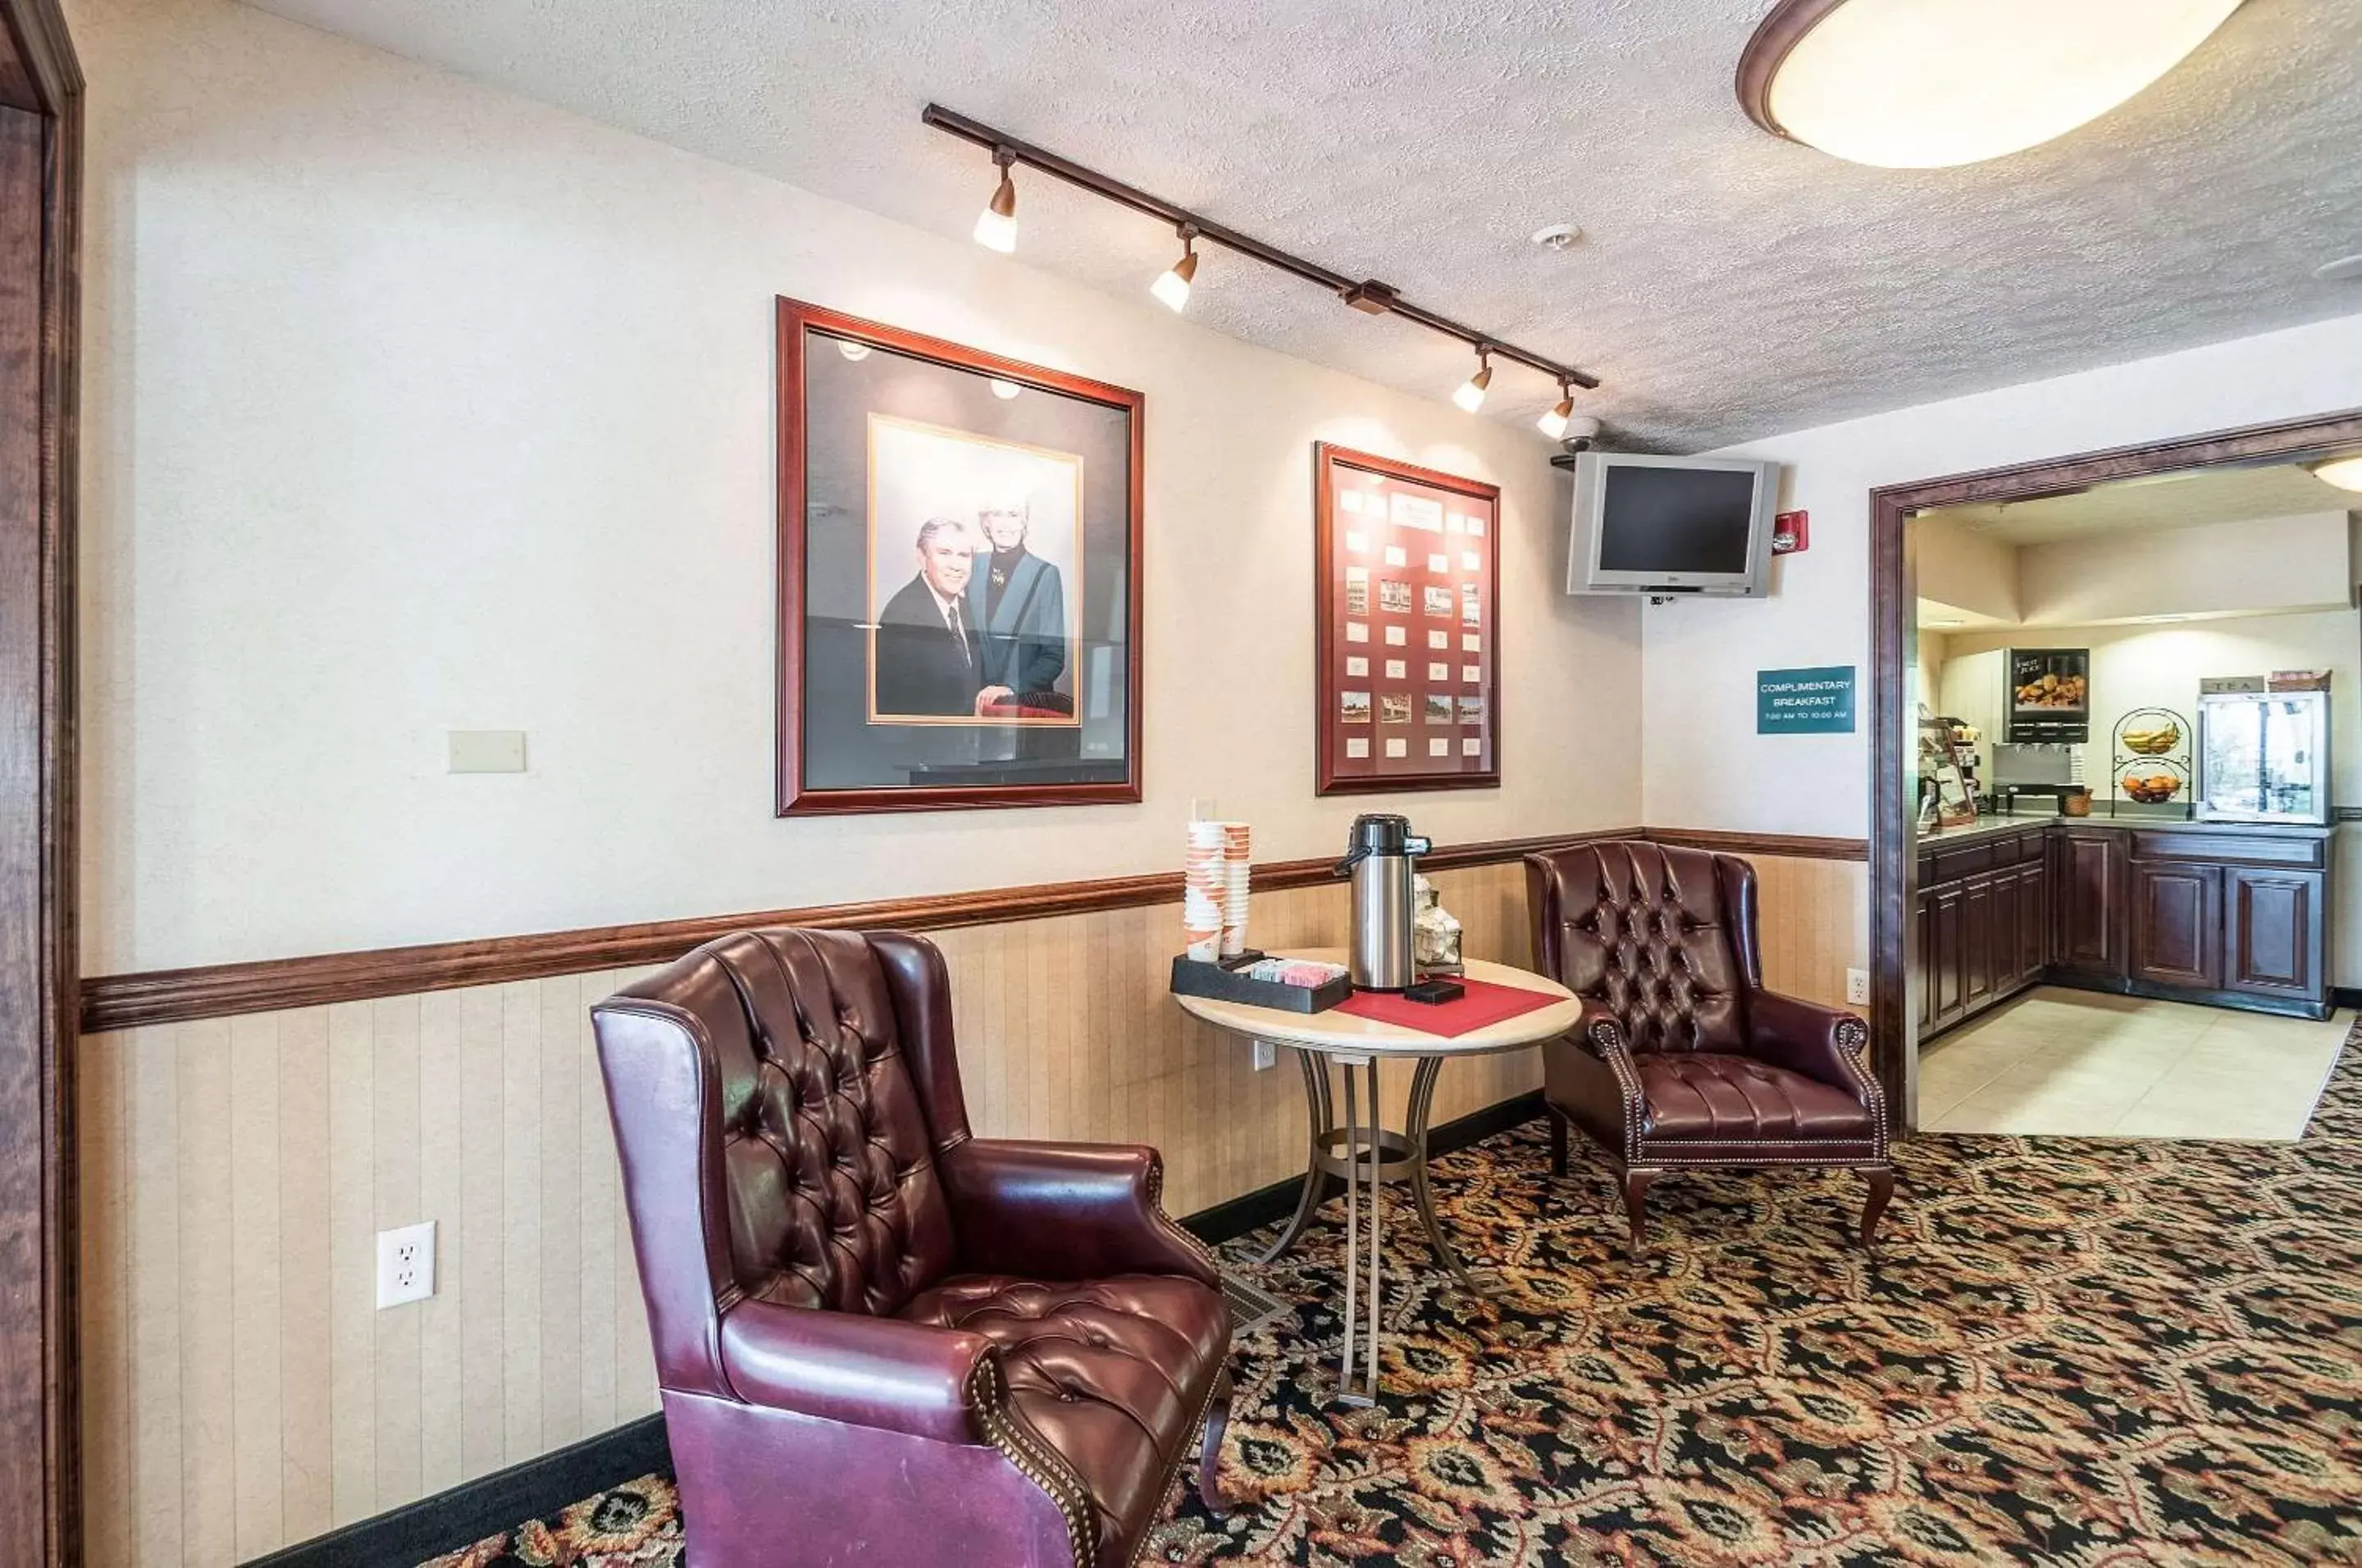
(1205, 887)
(1234, 889)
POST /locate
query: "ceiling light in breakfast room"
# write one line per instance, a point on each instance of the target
(1933, 84)
(2346, 473)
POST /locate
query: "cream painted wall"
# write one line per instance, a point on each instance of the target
(2137, 667)
(2264, 565)
(411, 405)
(1966, 569)
(1703, 761)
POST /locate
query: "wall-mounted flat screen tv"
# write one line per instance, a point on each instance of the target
(1667, 525)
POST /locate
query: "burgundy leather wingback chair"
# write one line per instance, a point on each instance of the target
(881, 1340)
(1680, 1057)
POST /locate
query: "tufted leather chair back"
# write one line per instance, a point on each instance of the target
(780, 1099)
(1664, 937)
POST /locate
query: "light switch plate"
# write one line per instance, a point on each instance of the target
(487, 751)
(1857, 987)
(406, 1264)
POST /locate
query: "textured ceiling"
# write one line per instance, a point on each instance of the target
(2175, 501)
(1727, 285)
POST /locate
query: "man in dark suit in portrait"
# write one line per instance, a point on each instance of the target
(929, 658)
(1019, 601)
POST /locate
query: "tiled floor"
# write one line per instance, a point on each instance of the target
(2081, 1064)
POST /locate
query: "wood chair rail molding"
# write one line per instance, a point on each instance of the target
(1792, 846)
(220, 990)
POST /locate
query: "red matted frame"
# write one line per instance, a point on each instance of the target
(796, 799)
(1338, 773)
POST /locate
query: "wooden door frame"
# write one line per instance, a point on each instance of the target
(1893, 591)
(40, 156)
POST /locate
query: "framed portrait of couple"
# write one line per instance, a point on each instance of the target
(958, 576)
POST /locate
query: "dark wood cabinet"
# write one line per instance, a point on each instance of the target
(1980, 919)
(2030, 954)
(1947, 948)
(2177, 924)
(2088, 864)
(2225, 914)
(1982, 922)
(2272, 937)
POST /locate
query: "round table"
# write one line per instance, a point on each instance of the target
(1366, 1147)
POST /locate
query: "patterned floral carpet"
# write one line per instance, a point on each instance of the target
(2075, 1352)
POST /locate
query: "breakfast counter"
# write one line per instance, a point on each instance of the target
(2230, 914)
(1999, 826)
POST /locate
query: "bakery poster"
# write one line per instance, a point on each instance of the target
(1407, 630)
(2049, 696)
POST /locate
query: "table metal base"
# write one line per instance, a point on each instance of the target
(1402, 1156)
(1363, 1152)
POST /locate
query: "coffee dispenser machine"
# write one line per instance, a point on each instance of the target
(1380, 855)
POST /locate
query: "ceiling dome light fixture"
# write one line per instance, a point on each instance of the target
(1471, 396)
(1004, 390)
(1552, 423)
(1172, 285)
(996, 226)
(2346, 473)
(1933, 84)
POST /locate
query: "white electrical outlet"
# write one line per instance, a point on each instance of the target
(1267, 1054)
(405, 1265)
(1858, 987)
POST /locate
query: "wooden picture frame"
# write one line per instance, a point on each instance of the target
(1407, 627)
(915, 673)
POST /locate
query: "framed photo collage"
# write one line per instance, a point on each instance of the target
(1407, 568)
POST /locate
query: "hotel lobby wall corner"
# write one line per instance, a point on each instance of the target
(242, 1393)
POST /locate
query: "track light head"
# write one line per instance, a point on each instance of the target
(1471, 396)
(1553, 422)
(1172, 285)
(996, 226)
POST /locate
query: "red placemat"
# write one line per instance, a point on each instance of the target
(1484, 1003)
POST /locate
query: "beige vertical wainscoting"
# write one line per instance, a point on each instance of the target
(242, 1392)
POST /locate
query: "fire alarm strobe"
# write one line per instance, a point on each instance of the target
(1790, 532)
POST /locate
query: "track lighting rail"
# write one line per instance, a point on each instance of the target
(1366, 294)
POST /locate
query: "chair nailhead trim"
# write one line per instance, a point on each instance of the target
(1156, 1207)
(1037, 1464)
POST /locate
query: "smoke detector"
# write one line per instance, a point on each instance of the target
(1557, 236)
(2343, 270)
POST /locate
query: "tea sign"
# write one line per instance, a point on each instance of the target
(1816, 701)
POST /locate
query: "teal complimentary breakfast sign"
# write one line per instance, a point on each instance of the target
(1804, 702)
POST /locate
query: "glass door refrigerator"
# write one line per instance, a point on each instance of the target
(2263, 749)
